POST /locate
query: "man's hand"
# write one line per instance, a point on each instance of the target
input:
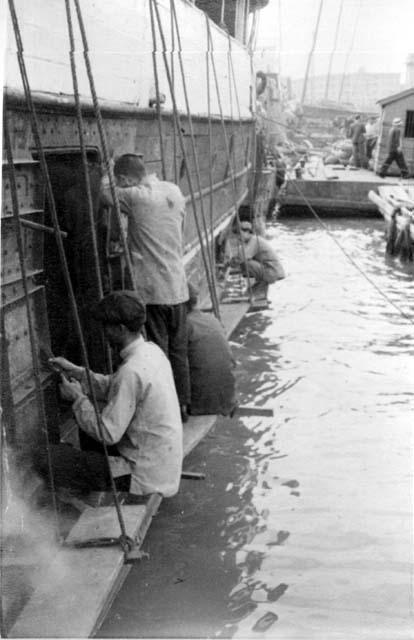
(70, 389)
(61, 365)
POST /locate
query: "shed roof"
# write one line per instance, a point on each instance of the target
(396, 96)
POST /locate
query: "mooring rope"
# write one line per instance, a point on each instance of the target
(351, 260)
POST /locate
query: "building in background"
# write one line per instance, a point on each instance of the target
(399, 105)
(361, 90)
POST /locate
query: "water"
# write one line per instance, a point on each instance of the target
(303, 526)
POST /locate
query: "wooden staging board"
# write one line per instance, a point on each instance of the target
(75, 592)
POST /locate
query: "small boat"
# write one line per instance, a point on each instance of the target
(396, 205)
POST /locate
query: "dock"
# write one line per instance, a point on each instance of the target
(74, 593)
(332, 190)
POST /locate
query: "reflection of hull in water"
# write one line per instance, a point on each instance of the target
(126, 89)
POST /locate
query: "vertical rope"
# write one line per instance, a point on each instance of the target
(173, 84)
(157, 91)
(226, 144)
(210, 152)
(79, 119)
(197, 168)
(61, 250)
(183, 151)
(104, 145)
(30, 321)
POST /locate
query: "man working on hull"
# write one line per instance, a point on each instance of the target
(155, 210)
(394, 151)
(211, 363)
(141, 415)
(261, 263)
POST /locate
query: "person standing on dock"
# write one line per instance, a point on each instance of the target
(371, 136)
(358, 142)
(394, 151)
(140, 420)
(155, 210)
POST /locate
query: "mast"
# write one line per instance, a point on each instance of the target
(349, 52)
(315, 36)
(328, 77)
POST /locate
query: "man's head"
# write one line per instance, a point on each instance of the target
(357, 117)
(246, 230)
(129, 169)
(122, 315)
(397, 122)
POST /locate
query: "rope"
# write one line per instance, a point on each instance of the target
(79, 118)
(211, 50)
(61, 250)
(183, 151)
(102, 136)
(210, 149)
(30, 321)
(198, 176)
(157, 90)
(351, 260)
(173, 84)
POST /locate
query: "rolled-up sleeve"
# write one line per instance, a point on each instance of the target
(125, 391)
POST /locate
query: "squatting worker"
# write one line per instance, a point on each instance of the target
(141, 415)
(262, 263)
(155, 210)
(211, 363)
(394, 150)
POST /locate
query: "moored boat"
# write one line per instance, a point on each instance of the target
(104, 81)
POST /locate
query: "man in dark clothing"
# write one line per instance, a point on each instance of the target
(211, 363)
(394, 150)
(358, 142)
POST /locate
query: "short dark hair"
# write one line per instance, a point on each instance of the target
(130, 164)
(120, 307)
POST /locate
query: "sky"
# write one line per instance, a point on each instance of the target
(376, 35)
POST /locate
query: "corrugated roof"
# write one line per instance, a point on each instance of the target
(395, 97)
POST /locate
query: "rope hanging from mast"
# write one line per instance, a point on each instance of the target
(227, 150)
(61, 250)
(351, 46)
(104, 145)
(184, 154)
(157, 91)
(197, 168)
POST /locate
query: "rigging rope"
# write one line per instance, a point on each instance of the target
(226, 145)
(58, 237)
(351, 260)
(104, 145)
(157, 90)
(183, 152)
(30, 321)
(197, 168)
(79, 119)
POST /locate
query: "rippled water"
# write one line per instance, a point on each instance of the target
(303, 525)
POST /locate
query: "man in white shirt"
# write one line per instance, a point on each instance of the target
(155, 210)
(141, 415)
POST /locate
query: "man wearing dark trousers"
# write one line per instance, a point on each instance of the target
(155, 210)
(394, 151)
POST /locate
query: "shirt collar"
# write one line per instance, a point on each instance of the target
(131, 348)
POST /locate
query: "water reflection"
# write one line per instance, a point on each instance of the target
(302, 526)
